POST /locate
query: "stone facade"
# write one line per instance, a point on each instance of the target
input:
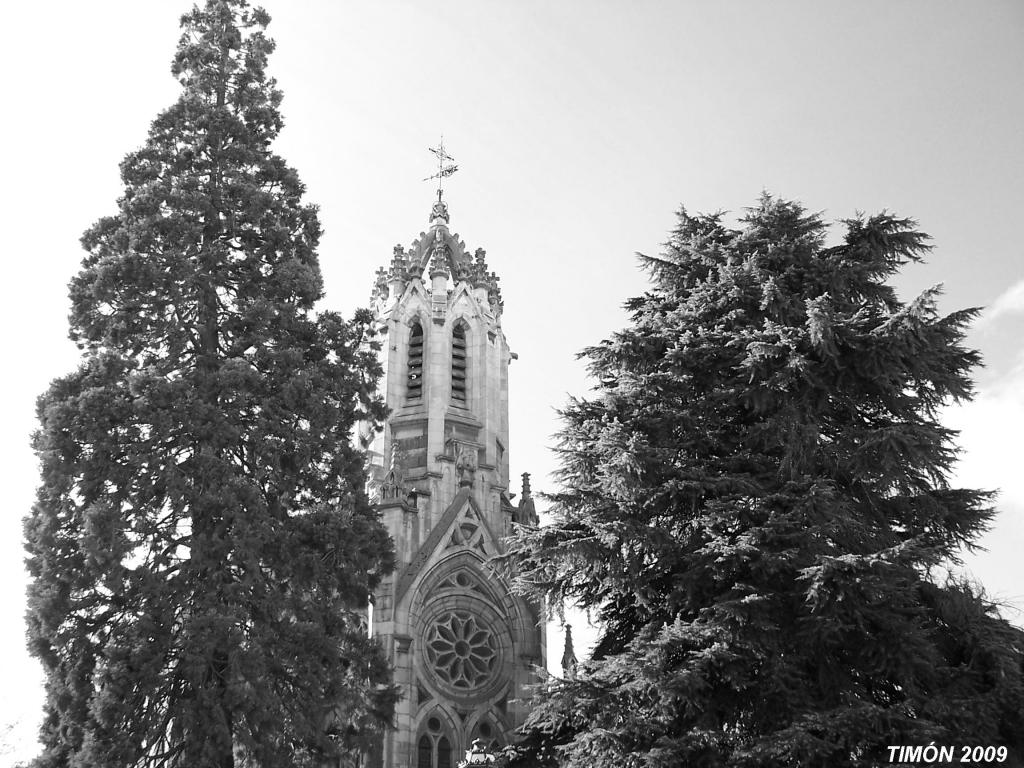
(463, 647)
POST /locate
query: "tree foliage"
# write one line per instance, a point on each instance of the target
(756, 505)
(202, 545)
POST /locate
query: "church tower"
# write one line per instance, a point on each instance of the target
(462, 646)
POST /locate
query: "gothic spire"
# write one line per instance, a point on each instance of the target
(439, 252)
(569, 662)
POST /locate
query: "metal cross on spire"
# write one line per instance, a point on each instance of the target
(445, 165)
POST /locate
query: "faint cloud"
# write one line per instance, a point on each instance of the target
(1009, 302)
(990, 461)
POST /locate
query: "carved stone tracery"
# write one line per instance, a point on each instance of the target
(462, 651)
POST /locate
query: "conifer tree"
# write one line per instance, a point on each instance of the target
(755, 503)
(202, 546)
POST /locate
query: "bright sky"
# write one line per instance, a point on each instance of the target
(579, 127)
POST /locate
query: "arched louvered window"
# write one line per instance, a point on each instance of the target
(459, 367)
(414, 385)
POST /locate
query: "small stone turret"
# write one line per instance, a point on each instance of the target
(526, 512)
(569, 662)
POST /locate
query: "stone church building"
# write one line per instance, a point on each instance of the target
(462, 646)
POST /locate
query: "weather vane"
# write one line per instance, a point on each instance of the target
(445, 165)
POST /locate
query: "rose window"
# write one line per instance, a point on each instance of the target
(462, 652)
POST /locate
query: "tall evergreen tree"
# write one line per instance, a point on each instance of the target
(202, 545)
(756, 505)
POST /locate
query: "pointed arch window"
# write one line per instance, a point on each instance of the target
(425, 753)
(459, 364)
(434, 749)
(414, 382)
(444, 753)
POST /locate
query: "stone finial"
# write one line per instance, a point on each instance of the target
(495, 291)
(526, 485)
(398, 271)
(380, 284)
(439, 211)
(479, 268)
(569, 662)
(398, 260)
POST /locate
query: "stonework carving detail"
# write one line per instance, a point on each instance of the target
(393, 486)
(465, 464)
(439, 211)
(468, 534)
(462, 651)
(461, 643)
